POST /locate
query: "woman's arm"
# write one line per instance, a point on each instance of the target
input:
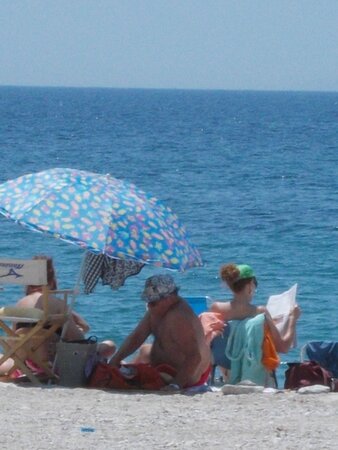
(80, 322)
(284, 341)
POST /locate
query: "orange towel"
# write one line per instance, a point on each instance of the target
(270, 358)
(213, 325)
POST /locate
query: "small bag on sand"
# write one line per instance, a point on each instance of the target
(73, 358)
(308, 373)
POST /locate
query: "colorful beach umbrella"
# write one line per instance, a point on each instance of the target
(101, 214)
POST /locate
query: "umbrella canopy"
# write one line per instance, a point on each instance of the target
(101, 214)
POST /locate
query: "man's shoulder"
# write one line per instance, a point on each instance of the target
(182, 310)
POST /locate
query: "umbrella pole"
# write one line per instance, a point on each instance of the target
(75, 292)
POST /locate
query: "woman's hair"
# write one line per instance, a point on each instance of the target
(51, 277)
(230, 273)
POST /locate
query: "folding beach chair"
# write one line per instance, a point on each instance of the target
(199, 304)
(23, 347)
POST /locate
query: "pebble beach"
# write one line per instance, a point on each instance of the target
(79, 418)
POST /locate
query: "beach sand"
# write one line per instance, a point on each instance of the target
(71, 419)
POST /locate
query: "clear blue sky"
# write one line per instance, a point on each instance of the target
(197, 44)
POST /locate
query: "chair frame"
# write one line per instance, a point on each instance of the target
(30, 272)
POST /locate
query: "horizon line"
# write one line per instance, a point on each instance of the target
(166, 88)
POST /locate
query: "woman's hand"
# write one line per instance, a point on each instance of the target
(295, 312)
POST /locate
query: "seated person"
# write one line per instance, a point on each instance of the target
(178, 335)
(242, 282)
(76, 326)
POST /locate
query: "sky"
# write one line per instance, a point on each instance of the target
(179, 44)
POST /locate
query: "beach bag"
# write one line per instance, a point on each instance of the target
(73, 360)
(308, 373)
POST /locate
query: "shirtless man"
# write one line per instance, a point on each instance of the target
(178, 335)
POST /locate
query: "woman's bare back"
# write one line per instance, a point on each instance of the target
(236, 311)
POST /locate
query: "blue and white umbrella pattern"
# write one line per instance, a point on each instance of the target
(99, 213)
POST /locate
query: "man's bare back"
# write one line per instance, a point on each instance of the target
(179, 339)
(178, 335)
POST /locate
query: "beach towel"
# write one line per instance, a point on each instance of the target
(213, 325)
(131, 376)
(270, 358)
(245, 350)
(17, 373)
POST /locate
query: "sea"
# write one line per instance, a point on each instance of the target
(252, 175)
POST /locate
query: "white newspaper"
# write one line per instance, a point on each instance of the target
(280, 305)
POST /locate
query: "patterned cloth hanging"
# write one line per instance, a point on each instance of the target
(113, 272)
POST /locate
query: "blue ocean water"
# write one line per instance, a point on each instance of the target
(252, 175)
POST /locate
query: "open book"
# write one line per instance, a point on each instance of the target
(280, 305)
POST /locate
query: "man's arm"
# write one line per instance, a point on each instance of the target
(133, 341)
